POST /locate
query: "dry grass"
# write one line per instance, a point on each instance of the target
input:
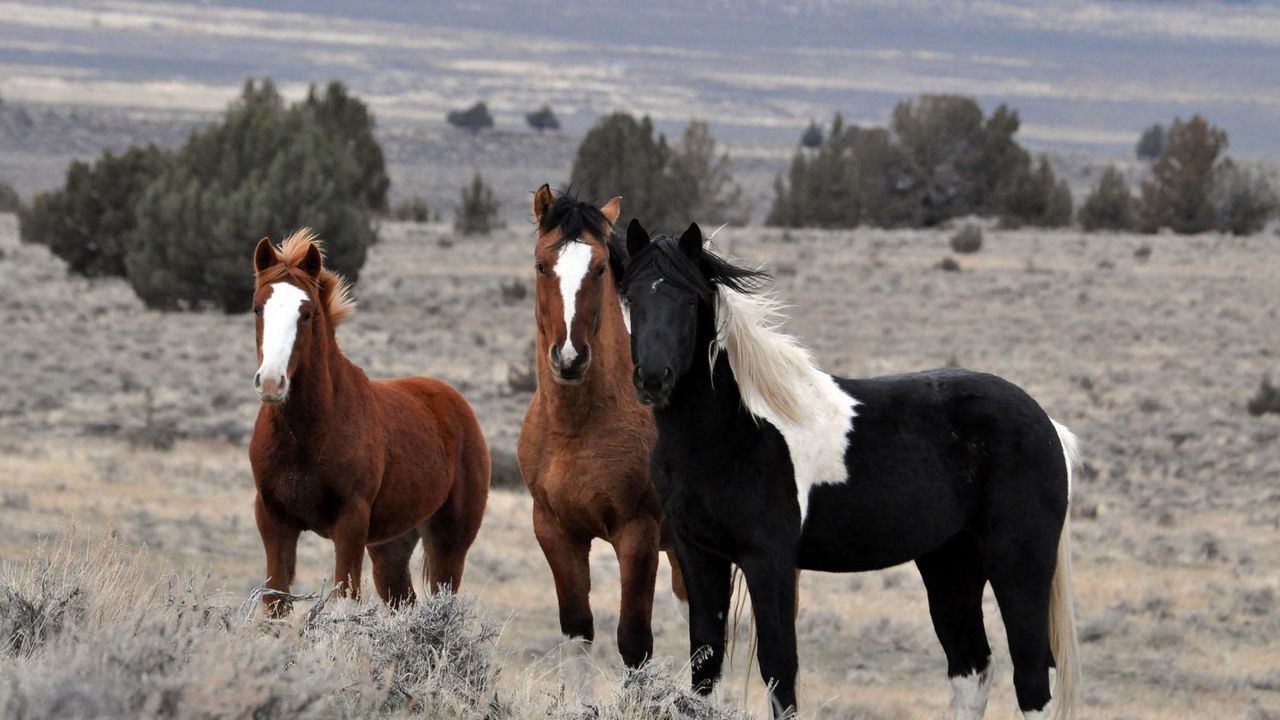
(92, 634)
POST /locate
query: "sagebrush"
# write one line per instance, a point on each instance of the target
(94, 630)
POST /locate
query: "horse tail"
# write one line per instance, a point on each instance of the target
(1062, 623)
(739, 598)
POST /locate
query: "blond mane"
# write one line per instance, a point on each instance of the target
(334, 291)
(777, 377)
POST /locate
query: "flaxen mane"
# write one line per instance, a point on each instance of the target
(332, 288)
(777, 377)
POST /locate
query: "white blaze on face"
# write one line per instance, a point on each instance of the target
(279, 329)
(571, 268)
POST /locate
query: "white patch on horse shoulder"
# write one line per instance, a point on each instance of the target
(280, 327)
(571, 268)
(969, 694)
(818, 446)
(780, 383)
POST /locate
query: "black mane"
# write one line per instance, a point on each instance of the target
(664, 254)
(571, 217)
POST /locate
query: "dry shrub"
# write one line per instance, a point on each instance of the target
(967, 239)
(652, 691)
(522, 376)
(1266, 401)
(99, 638)
(414, 209)
(505, 470)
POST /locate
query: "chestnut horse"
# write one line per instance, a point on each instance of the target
(585, 445)
(370, 465)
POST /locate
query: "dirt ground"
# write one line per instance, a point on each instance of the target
(115, 418)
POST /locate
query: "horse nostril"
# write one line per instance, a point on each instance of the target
(650, 380)
(257, 380)
(282, 381)
(555, 355)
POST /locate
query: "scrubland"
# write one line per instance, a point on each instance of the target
(128, 546)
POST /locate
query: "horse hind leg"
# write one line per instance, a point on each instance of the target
(391, 574)
(447, 535)
(1021, 576)
(954, 580)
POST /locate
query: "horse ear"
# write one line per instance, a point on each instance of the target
(691, 242)
(611, 209)
(637, 237)
(264, 256)
(313, 262)
(543, 200)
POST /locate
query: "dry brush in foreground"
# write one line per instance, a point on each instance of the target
(86, 630)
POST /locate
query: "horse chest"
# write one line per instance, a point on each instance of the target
(304, 499)
(725, 506)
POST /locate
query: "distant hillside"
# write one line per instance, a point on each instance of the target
(1086, 75)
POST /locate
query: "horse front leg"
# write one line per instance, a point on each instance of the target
(771, 581)
(349, 533)
(707, 581)
(280, 543)
(637, 548)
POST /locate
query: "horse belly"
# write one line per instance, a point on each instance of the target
(407, 498)
(855, 531)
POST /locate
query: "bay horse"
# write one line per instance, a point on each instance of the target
(767, 462)
(585, 444)
(370, 465)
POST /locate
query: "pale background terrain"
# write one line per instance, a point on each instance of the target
(1175, 525)
(1176, 521)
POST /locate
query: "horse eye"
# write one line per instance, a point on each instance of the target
(542, 269)
(691, 302)
(599, 271)
(306, 316)
(258, 311)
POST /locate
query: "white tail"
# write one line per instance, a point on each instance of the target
(740, 599)
(1062, 620)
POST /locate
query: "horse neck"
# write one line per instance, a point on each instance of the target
(705, 397)
(323, 388)
(608, 380)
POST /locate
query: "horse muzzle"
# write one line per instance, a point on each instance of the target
(273, 389)
(654, 387)
(569, 370)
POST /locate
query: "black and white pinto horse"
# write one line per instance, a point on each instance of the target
(766, 462)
